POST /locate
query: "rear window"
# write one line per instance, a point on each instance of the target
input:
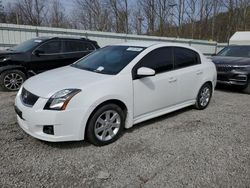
(184, 57)
(77, 46)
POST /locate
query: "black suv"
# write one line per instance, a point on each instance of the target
(233, 66)
(40, 54)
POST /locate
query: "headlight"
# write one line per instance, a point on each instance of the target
(60, 100)
(242, 67)
(4, 59)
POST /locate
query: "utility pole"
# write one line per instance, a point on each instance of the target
(17, 18)
(140, 19)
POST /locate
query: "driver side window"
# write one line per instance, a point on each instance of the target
(160, 60)
(50, 47)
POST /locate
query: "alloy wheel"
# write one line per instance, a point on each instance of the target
(107, 125)
(13, 81)
(205, 96)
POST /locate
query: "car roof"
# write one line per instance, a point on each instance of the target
(137, 44)
(149, 44)
(62, 37)
(160, 44)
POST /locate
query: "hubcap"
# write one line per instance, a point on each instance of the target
(205, 96)
(107, 125)
(13, 81)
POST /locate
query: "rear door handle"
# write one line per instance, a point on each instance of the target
(199, 72)
(172, 79)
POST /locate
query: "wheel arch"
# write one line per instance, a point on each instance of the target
(210, 83)
(13, 67)
(118, 102)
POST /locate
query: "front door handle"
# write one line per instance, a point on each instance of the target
(172, 79)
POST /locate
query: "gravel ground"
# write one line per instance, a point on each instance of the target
(188, 148)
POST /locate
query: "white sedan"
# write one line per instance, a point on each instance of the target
(114, 88)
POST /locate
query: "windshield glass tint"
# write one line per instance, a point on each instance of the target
(236, 51)
(109, 60)
(27, 45)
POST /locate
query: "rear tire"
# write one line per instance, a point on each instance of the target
(11, 80)
(204, 97)
(105, 125)
(247, 89)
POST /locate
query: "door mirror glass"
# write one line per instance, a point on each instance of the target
(38, 52)
(144, 71)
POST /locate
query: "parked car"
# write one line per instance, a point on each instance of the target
(112, 89)
(40, 54)
(233, 66)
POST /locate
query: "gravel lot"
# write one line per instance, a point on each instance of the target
(188, 148)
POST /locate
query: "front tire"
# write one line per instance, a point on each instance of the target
(204, 97)
(105, 125)
(247, 89)
(11, 80)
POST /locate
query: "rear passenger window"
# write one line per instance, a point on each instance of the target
(184, 57)
(51, 47)
(160, 60)
(77, 46)
(89, 47)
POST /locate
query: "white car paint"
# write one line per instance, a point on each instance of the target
(144, 98)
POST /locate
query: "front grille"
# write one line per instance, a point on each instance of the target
(28, 98)
(222, 78)
(224, 68)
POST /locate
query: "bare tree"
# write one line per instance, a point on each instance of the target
(244, 13)
(57, 15)
(205, 11)
(121, 15)
(148, 8)
(230, 6)
(92, 14)
(163, 14)
(216, 8)
(33, 12)
(181, 6)
(191, 12)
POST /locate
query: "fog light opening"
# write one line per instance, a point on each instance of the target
(48, 129)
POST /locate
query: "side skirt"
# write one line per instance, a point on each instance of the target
(160, 112)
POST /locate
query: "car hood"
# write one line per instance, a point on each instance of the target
(7, 52)
(231, 60)
(48, 83)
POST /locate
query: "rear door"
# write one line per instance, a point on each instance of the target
(159, 91)
(50, 56)
(189, 72)
(75, 49)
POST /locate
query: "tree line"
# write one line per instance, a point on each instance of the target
(197, 19)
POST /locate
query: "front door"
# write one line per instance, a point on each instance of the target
(49, 56)
(156, 92)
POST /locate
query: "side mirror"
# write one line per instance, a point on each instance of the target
(38, 52)
(144, 72)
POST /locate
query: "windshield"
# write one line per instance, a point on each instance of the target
(27, 45)
(109, 60)
(236, 51)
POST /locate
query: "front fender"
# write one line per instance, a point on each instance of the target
(10, 67)
(129, 117)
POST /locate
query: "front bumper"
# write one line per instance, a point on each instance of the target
(67, 124)
(233, 78)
